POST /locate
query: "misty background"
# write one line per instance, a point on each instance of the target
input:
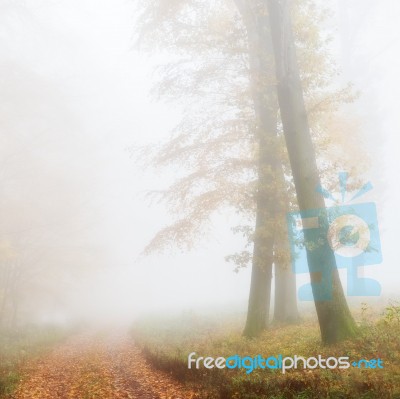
(75, 100)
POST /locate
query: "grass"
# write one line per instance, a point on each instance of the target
(17, 346)
(167, 343)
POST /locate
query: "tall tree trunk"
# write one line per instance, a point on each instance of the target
(266, 108)
(335, 320)
(285, 306)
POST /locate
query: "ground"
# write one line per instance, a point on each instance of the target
(96, 365)
(150, 361)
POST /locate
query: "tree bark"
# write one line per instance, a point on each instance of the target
(285, 306)
(335, 320)
(266, 109)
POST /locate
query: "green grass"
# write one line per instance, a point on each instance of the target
(167, 343)
(17, 346)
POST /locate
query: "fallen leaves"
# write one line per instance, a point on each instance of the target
(93, 366)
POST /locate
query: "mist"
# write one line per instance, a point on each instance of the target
(198, 195)
(75, 218)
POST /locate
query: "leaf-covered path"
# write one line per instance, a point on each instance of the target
(98, 366)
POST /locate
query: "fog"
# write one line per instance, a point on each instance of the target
(75, 103)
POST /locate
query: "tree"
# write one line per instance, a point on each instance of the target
(230, 138)
(334, 316)
(258, 193)
(270, 169)
(44, 237)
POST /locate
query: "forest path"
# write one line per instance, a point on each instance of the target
(97, 366)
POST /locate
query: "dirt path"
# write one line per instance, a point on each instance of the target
(97, 367)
